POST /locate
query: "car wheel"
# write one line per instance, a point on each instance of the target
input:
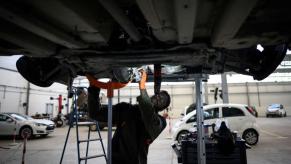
(181, 135)
(251, 137)
(267, 115)
(285, 115)
(26, 132)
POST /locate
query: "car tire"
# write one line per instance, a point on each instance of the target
(267, 115)
(285, 115)
(251, 136)
(180, 135)
(26, 131)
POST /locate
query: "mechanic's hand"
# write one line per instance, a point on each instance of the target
(143, 79)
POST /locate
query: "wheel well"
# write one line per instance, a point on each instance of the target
(181, 132)
(26, 126)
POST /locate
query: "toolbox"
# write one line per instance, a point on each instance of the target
(213, 155)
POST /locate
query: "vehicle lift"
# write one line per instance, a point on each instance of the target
(201, 152)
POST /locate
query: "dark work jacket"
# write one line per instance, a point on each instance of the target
(137, 127)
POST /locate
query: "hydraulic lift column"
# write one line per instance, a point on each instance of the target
(201, 154)
(109, 122)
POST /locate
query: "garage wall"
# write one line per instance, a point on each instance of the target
(13, 94)
(259, 95)
(181, 95)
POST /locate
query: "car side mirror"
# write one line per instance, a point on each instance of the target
(9, 120)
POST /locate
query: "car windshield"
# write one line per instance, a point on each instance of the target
(18, 117)
(25, 116)
(274, 106)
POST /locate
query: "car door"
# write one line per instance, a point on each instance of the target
(210, 116)
(6, 128)
(235, 117)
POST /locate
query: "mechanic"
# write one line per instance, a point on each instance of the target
(225, 139)
(137, 125)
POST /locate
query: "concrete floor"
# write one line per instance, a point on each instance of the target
(274, 146)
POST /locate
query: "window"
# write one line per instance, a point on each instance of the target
(191, 119)
(211, 113)
(3, 117)
(281, 106)
(232, 112)
(208, 114)
(17, 117)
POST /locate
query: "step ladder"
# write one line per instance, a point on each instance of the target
(73, 121)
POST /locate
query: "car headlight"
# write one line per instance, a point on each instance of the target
(39, 124)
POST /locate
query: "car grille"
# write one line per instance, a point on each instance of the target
(50, 127)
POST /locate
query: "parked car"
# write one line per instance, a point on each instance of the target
(276, 110)
(21, 125)
(240, 118)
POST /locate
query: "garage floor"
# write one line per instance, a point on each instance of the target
(274, 146)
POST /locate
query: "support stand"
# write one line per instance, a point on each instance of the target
(109, 122)
(201, 154)
(110, 86)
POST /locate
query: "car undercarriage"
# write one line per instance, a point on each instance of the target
(61, 39)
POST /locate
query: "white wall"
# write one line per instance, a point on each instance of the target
(13, 93)
(259, 95)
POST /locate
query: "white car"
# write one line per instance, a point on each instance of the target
(15, 123)
(276, 110)
(240, 118)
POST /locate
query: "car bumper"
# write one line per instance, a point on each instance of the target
(273, 113)
(39, 130)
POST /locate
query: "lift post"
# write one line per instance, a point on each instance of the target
(201, 154)
(110, 86)
(109, 122)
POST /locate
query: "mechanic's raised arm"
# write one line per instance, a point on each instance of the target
(154, 124)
